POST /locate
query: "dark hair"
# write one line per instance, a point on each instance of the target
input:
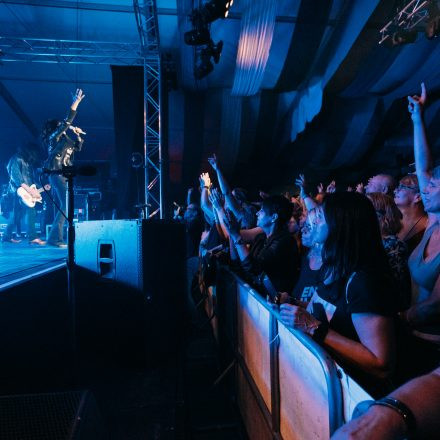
(388, 214)
(354, 241)
(48, 128)
(278, 205)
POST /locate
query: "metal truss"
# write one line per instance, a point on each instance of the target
(146, 19)
(70, 51)
(406, 19)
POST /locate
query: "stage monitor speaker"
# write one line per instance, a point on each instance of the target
(139, 269)
(52, 416)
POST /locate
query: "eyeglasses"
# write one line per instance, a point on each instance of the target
(402, 186)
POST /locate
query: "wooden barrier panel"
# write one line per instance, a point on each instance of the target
(288, 387)
(253, 328)
(304, 406)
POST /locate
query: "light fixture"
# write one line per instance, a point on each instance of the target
(197, 36)
(404, 37)
(215, 9)
(204, 66)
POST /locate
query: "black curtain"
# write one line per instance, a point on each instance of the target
(128, 109)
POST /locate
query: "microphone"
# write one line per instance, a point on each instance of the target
(85, 170)
(76, 130)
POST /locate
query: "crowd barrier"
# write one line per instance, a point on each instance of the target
(287, 386)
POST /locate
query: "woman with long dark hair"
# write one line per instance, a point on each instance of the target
(352, 312)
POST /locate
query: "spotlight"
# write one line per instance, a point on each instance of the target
(197, 36)
(204, 67)
(214, 10)
(216, 50)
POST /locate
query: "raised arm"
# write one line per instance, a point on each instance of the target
(231, 202)
(205, 204)
(422, 152)
(308, 201)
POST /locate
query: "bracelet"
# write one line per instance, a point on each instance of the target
(239, 241)
(402, 409)
(320, 332)
(205, 187)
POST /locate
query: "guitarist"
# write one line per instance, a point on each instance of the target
(61, 147)
(21, 172)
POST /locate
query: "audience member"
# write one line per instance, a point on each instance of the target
(352, 311)
(274, 251)
(390, 222)
(423, 317)
(383, 183)
(414, 218)
(411, 412)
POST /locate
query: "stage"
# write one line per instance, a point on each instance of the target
(20, 262)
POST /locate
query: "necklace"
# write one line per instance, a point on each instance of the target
(412, 227)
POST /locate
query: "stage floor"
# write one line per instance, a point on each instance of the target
(21, 261)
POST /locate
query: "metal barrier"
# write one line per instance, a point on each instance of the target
(288, 387)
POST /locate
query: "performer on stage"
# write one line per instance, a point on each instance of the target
(21, 184)
(61, 149)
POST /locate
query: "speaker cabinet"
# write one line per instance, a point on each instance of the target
(52, 416)
(132, 279)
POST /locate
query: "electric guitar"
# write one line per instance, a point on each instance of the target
(30, 195)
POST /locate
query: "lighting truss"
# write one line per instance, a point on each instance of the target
(146, 19)
(38, 50)
(406, 19)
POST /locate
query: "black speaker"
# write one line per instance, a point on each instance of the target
(53, 416)
(138, 282)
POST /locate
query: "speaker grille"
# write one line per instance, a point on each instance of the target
(40, 416)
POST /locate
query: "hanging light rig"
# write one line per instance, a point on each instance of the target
(206, 50)
(404, 26)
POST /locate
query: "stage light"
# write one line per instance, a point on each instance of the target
(403, 37)
(215, 9)
(197, 36)
(216, 51)
(204, 66)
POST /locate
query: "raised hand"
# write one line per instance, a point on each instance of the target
(216, 199)
(360, 188)
(416, 103)
(301, 182)
(213, 162)
(205, 181)
(231, 223)
(331, 188)
(77, 98)
(349, 189)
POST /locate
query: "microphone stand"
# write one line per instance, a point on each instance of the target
(69, 174)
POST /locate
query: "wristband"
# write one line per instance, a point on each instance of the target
(320, 332)
(402, 409)
(239, 241)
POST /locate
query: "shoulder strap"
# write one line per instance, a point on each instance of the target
(350, 278)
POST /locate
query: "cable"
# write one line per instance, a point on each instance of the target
(51, 198)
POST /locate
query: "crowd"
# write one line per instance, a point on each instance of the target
(357, 270)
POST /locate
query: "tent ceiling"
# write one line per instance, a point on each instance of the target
(324, 81)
